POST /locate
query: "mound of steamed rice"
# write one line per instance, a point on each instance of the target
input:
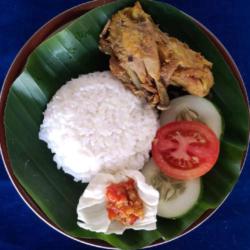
(93, 124)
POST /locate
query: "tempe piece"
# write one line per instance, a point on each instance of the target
(147, 60)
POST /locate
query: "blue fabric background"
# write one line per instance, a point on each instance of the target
(228, 229)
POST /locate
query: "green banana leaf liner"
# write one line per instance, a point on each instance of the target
(73, 51)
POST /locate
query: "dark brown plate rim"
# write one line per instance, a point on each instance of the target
(16, 67)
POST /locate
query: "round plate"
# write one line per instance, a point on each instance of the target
(18, 64)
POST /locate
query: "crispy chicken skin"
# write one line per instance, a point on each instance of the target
(147, 60)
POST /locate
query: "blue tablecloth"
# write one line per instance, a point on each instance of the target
(229, 228)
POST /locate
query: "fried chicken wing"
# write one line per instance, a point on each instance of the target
(147, 60)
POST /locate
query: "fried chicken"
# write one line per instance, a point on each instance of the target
(147, 60)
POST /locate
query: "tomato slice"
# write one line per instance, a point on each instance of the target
(185, 149)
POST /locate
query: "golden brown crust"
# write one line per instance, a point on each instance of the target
(147, 60)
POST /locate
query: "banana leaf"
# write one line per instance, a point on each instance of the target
(73, 51)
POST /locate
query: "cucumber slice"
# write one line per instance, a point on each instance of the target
(176, 197)
(191, 107)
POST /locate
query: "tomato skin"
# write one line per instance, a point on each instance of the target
(185, 149)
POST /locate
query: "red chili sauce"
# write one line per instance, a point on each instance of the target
(123, 202)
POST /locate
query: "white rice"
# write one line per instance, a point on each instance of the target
(93, 124)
